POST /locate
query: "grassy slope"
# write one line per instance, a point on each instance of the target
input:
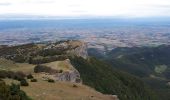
(28, 68)
(42, 90)
(12, 66)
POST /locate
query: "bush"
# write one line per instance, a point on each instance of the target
(30, 76)
(51, 80)
(14, 75)
(74, 85)
(48, 59)
(19, 76)
(60, 71)
(23, 82)
(11, 74)
(12, 92)
(42, 68)
(34, 80)
(14, 89)
(3, 74)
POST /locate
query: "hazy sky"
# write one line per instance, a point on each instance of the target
(123, 8)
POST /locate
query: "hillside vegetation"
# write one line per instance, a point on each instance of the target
(54, 70)
(44, 53)
(11, 92)
(143, 60)
(105, 79)
(151, 64)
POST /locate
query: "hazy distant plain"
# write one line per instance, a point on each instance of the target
(98, 33)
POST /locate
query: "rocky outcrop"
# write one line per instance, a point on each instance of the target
(80, 49)
(113, 97)
(71, 47)
(55, 71)
(47, 52)
(72, 76)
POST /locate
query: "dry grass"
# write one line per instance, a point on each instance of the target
(12, 66)
(42, 90)
(7, 64)
(29, 68)
(64, 65)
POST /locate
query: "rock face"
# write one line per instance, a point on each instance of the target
(72, 76)
(68, 76)
(59, 71)
(79, 49)
(71, 47)
(113, 97)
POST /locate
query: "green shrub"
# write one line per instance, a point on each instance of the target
(12, 92)
(51, 80)
(3, 74)
(33, 80)
(75, 86)
(23, 82)
(19, 76)
(48, 59)
(11, 74)
(42, 68)
(14, 75)
(60, 71)
(30, 76)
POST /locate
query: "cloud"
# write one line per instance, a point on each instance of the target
(5, 4)
(80, 11)
(127, 8)
(39, 1)
(166, 6)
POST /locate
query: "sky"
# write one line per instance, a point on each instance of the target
(82, 8)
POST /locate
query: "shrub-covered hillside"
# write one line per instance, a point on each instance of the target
(143, 60)
(105, 79)
(12, 92)
(149, 63)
